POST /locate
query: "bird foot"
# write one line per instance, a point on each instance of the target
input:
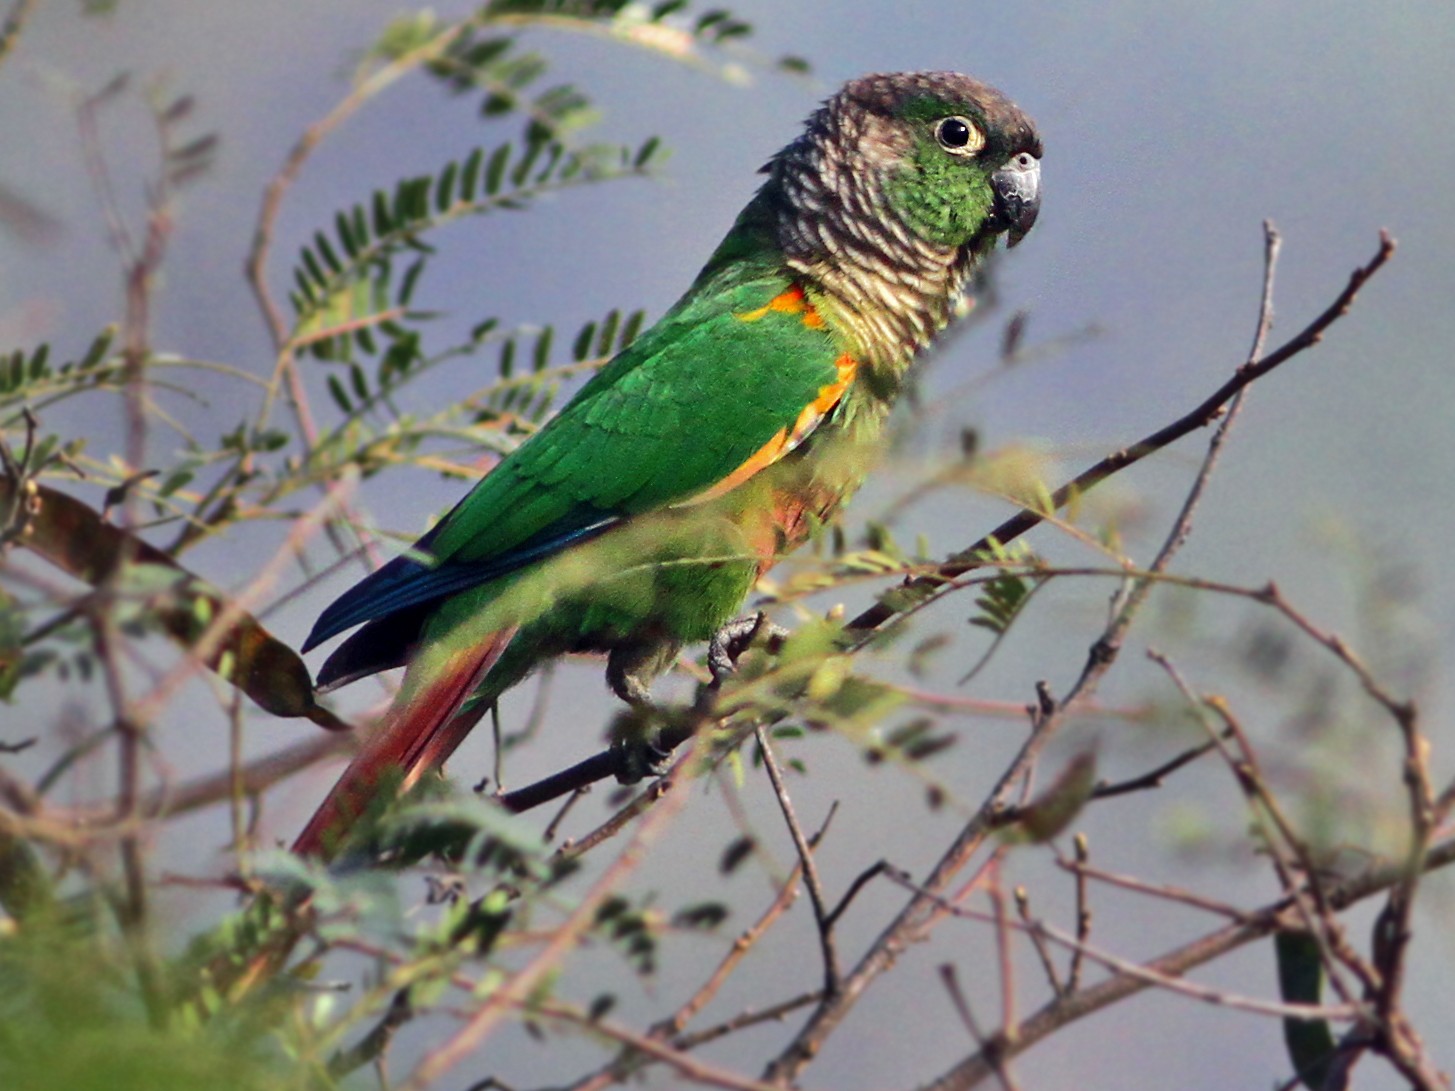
(635, 760)
(734, 638)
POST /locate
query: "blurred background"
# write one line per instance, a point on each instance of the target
(1172, 130)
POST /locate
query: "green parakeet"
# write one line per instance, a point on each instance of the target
(636, 521)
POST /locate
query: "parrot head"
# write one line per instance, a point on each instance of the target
(947, 160)
(897, 187)
(960, 161)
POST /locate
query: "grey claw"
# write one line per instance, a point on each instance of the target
(638, 759)
(734, 638)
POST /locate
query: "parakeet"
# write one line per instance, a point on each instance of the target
(636, 520)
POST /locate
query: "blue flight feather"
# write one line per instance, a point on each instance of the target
(406, 582)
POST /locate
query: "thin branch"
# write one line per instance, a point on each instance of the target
(642, 802)
(832, 974)
(1083, 870)
(787, 895)
(1048, 965)
(857, 885)
(1383, 977)
(537, 1007)
(750, 1018)
(1006, 973)
(1083, 913)
(371, 1046)
(1153, 778)
(1131, 968)
(686, 1065)
(951, 981)
(1293, 862)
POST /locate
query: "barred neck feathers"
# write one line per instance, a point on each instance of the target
(840, 200)
(893, 290)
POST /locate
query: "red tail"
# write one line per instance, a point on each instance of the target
(417, 734)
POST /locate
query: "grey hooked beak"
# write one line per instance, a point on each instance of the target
(1017, 187)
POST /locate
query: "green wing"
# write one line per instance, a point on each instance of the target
(681, 410)
(672, 416)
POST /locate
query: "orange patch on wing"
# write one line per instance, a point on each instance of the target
(763, 457)
(793, 301)
(828, 397)
(788, 438)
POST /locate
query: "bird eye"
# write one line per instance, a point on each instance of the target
(959, 135)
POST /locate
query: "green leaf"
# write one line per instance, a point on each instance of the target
(359, 381)
(343, 226)
(526, 163)
(444, 187)
(383, 220)
(1311, 1044)
(314, 270)
(646, 152)
(607, 335)
(631, 328)
(704, 915)
(98, 349)
(325, 249)
(470, 174)
(410, 279)
(736, 852)
(495, 170)
(340, 397)
(581, 347)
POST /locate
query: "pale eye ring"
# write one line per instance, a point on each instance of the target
(959, 135)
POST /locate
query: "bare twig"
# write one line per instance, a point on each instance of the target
(951, 982)
(1083, 913)
(1083, 870)
(832, 974)
(1048, 966)
(1153, 778)
(688, 1067)
(787, 895)
(642, 802)
(1006, 973)
(371, 1046)
(1127, 967)
(863, 878)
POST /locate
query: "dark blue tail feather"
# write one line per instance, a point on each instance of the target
(406, 582)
